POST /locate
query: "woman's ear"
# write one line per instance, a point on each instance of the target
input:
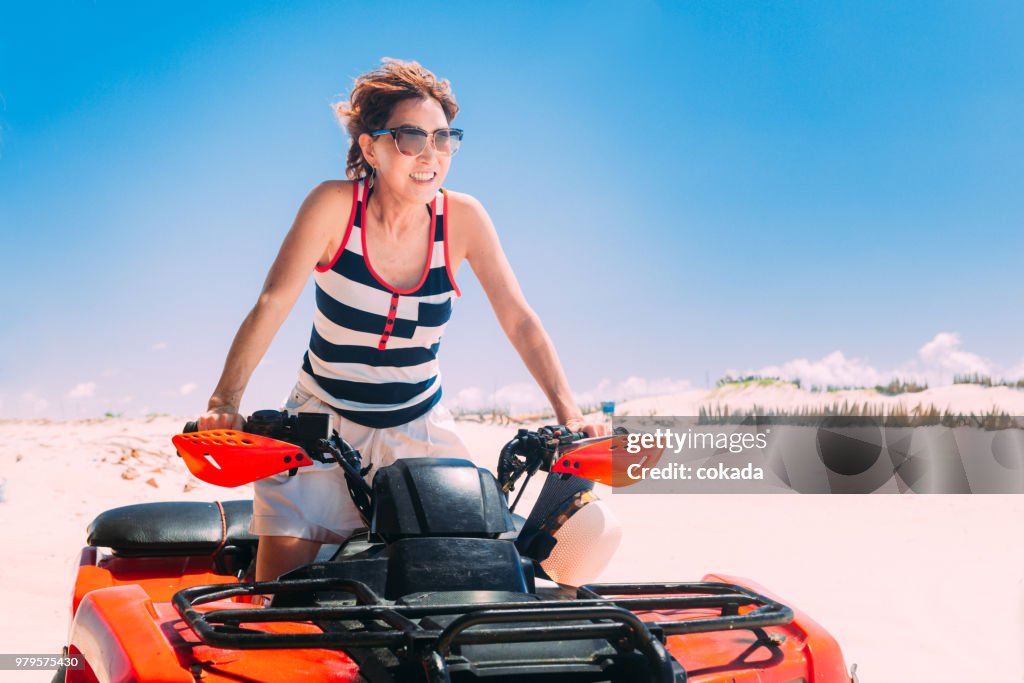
(366, 145)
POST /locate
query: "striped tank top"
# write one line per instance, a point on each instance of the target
(373, 351)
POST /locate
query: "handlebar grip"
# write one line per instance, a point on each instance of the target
(190, 427)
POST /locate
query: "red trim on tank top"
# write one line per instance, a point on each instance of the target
(348, 230)
(444, 236)
(426, 266)
(389, 322)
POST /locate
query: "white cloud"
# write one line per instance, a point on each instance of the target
(526, 397)
(518, 398)
(83, 390)
(35, 403)
(469, 399)
(634, 387)
(944, 351)
(936, 363)
(1016, 372)
(834, 369)
(187, 388)
(159, 346)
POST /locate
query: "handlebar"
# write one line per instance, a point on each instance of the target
(528, 452)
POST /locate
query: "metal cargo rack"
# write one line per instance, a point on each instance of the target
(606, 610)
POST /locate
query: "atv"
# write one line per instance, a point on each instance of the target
(446, 583)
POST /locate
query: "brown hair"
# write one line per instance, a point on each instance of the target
(375, 95)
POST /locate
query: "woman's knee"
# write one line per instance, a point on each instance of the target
(277, 555)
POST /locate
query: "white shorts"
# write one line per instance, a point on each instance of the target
(315, 503)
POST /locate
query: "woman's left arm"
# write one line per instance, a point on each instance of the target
(520, 323)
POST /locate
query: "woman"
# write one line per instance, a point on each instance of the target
(384, 247)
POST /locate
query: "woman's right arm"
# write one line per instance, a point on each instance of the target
(316, 232)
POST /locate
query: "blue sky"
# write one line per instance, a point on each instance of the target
(684, 189)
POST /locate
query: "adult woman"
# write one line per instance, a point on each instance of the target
(372, 357)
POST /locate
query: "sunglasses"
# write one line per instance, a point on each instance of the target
(411, 141)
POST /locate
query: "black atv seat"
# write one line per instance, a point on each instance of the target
(174, 528)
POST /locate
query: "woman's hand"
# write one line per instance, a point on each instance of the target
(221, 417)
(576, 424)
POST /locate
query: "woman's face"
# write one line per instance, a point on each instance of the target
(415, 179)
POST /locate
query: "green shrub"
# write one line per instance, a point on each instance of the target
(899, 386)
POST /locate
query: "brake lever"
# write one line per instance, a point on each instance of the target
(555, 437)
(530, 452)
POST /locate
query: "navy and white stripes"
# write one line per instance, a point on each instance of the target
(373, 351)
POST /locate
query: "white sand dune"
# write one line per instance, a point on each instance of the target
(915, 588)
(959, 399)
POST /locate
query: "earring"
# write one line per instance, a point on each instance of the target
(373, 175)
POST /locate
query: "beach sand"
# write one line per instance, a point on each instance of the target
(914, 588)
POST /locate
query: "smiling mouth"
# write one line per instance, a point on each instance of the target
(425, 177)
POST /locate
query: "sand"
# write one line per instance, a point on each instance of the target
(960, 399)
(914, 588)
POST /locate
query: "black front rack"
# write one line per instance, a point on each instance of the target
(394, 627)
